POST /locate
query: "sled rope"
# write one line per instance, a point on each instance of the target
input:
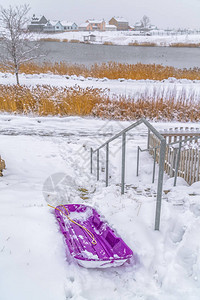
(94, 242)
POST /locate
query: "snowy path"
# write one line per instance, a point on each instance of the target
(32, 253)
(136, 88)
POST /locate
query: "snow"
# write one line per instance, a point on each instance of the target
(124, 37)
(33, 261)
(118, 87)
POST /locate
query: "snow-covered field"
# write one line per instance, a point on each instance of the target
(123, 37)
(133, 88)
(33, 263)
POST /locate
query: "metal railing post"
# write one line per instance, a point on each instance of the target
(177, 163)
(160, 183)
(154, 165)
(98, 165)
(138, 160)
(91, 154)
(148, 140)
(123, 161)
(107, 160)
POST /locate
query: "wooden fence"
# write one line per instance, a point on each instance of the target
(189, 164)
(2, 166)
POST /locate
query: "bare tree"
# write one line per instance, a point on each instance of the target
(145, 22)
(16, 39)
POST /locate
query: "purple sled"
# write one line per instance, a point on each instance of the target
(109, 250)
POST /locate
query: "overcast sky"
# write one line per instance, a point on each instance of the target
(162, 13)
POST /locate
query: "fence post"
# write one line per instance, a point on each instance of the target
(98, 165)
(123, 161)
(107, 160)
(91, 154)
(138, 159)
(154, 165)
(177, 163)
(160, 183)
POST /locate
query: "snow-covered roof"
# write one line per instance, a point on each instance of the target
(83, 25)
(53, 22)
(36, 18)
(138, 24)
(95, 21)
(67, 23)
(120, 19)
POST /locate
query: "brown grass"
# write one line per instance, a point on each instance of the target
(46, 100)
(143, 44)
(49, 40)
(111, 70)
(108, 43)
(74, 41)
(186, 45)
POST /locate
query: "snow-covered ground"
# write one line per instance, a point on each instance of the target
(33, 263)
(133, 88)
(122, 37)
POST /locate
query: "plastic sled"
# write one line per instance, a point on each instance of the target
(91, 242)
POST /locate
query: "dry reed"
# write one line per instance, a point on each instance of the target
(50, 40)
(108, 43)
(143, 44)
(111, 70)
(47, 100)
(74, 41)
(186, 45)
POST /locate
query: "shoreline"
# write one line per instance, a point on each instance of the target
(123, 38)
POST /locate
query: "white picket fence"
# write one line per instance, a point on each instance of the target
(189, 164)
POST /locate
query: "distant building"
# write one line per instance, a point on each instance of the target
(120, 23)
(109, 27)
(85, 27)
(68, 26)
(97, 24)
(139, 27)
(53, 26)
(37, 23)
(89, 38)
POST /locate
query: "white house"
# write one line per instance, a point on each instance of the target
(68, 26)
(53, 26)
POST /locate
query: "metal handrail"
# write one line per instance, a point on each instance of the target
(143, 120)
(161, 162)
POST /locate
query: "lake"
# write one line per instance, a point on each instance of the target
(88, 54)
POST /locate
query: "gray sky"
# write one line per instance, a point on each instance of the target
(162, 13)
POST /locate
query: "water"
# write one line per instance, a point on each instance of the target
(88, 54)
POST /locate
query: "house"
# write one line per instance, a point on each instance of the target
(68, 26)
(120, 23)
(37, 23)
(53, 26)
(109, 27)
(140, 27)
(97, 24)
(85, 27)
(89, 38)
